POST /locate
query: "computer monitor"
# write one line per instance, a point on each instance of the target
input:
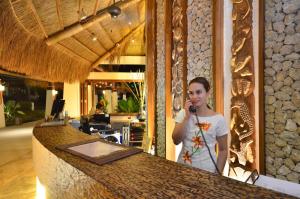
(102, 118)
(57, 107)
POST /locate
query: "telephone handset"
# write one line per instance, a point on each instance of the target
(192, 109)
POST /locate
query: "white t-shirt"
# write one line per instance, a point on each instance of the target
(194, 152)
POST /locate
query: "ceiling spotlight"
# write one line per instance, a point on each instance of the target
(94, 38)
(114, 10)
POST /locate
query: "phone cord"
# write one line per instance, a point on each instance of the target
(207, 145)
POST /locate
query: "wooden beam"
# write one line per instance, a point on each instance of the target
(37, 18)
(127, 60)
(79, 9)
(59, 15)
(261, 99)
(67, 50)
(99, 69)
(79, 26)
(117, 76)
(185, 34)
(14, 74)
(168, 80)
(85, 47)
(218, 55)
(96, 7)
(151, 69)
(125, 39)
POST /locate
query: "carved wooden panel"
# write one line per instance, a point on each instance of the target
(178, 54)
(242, 127)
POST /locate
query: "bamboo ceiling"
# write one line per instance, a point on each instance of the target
(63, 40)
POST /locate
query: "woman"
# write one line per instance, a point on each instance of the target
(213, 125)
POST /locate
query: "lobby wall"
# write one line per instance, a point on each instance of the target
(199, 63)
(160, 79)
(282, 89)
(199, 40)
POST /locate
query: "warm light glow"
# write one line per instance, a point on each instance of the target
(103, 92)
(94, 38)
(54, 92)
(2, 88)
(129, 23)
(40, 190)
(132, 40)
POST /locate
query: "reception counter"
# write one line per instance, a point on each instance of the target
(138, 176)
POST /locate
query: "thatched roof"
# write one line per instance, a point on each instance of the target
(50, 40)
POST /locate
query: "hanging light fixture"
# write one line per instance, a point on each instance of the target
(2, 87)
(94, 37)
(114, 10)
(82, 14)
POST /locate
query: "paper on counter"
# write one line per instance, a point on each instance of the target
(96, 149)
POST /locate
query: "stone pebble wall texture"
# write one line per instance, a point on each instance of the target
(160, 80)
(199, 41)
(282, 89)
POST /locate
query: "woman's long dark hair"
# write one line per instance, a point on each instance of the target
(204, 82)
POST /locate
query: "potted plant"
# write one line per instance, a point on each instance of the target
(128, 106)
(12, 112)
(137, 89)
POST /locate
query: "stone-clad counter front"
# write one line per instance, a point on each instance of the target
(138, 176)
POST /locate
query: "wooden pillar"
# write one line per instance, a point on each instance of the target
(218, 61)
(151, 67)
(261, 99)
(2, 116)
(170, 148)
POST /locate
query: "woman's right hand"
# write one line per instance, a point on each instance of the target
(187, 105)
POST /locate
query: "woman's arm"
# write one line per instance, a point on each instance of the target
(179, 131)
(223, 151)
(181, 128)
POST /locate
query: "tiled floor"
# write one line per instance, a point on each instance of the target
(17, 177)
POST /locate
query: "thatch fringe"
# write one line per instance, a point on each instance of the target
(23, 53)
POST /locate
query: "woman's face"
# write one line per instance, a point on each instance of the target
(198, 94)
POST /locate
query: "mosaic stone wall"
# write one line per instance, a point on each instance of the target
(199, 41)
(160, 80)
(282, 89)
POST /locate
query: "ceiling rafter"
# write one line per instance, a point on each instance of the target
(107, 33)
(37, 18)
(98, 40)
(138, 12)
(125, 39)
(79, 9)
(59, 15)
(84, 46)
(96, 7)
(66, 49)
(77, 27)
(99, 69)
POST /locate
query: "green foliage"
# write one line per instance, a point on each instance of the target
(12, 110)
(25, 106)
(128, 106)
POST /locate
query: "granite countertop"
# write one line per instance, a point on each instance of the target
(146, 176)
